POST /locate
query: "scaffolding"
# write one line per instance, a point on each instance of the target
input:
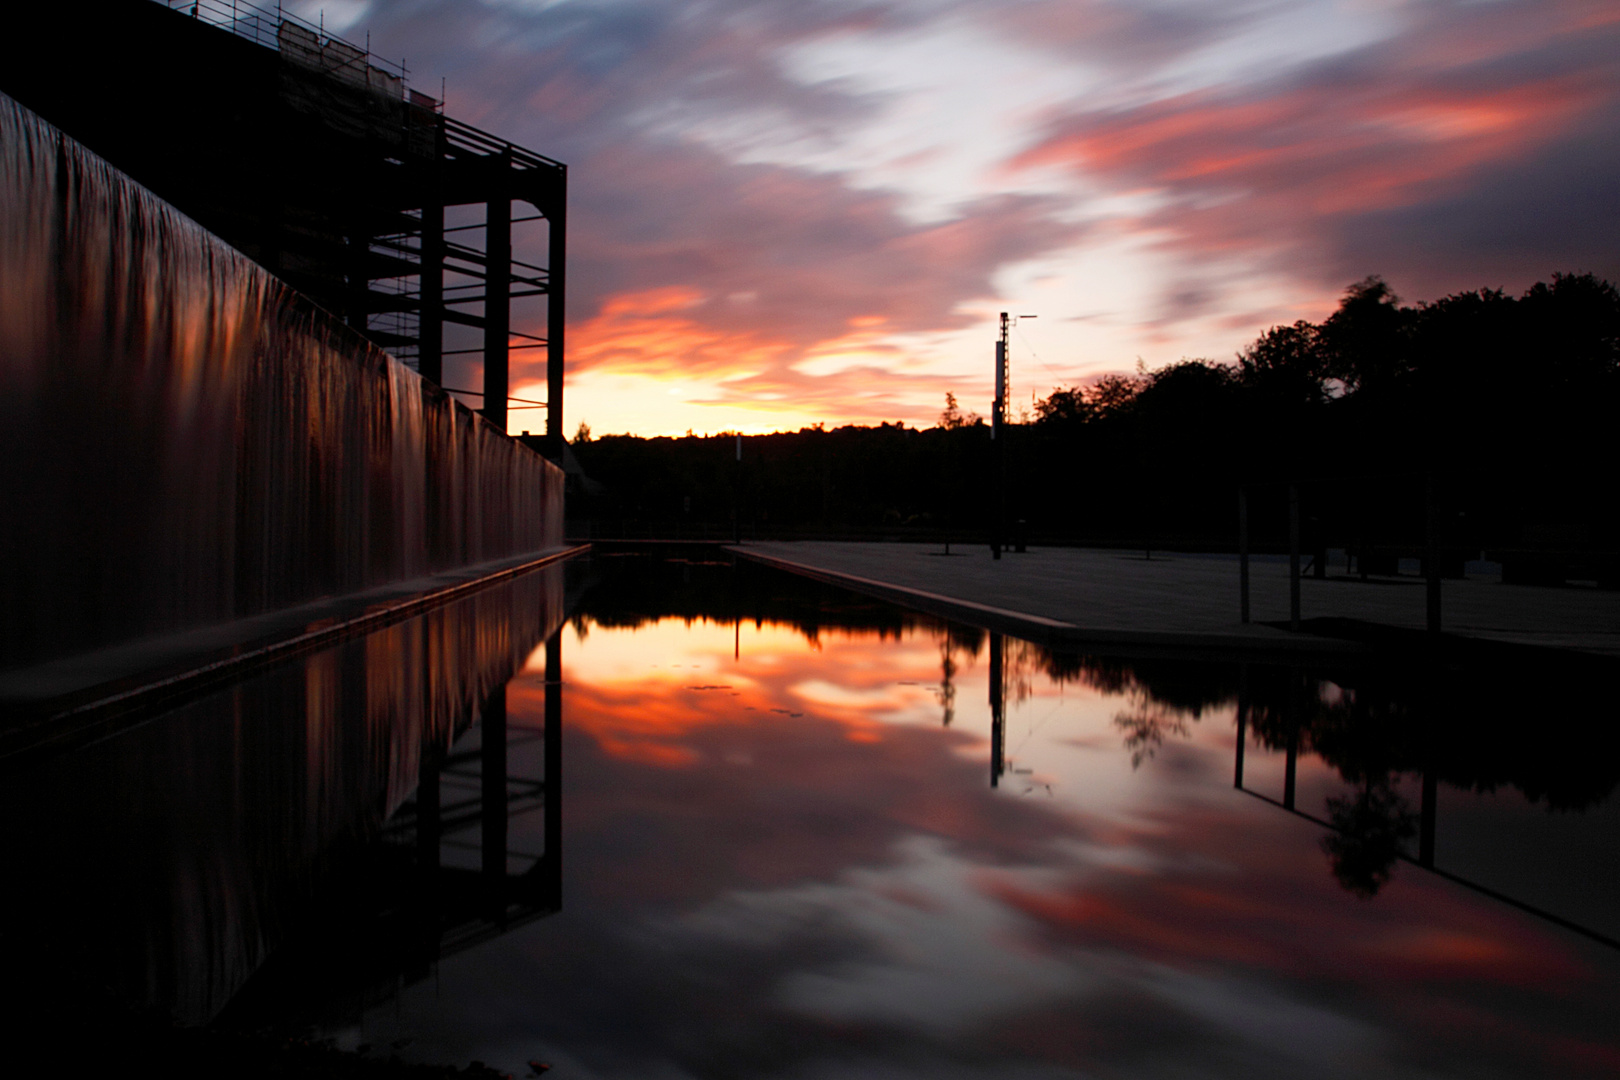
(315, 157)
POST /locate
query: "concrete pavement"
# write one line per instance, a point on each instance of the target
(1082, 596)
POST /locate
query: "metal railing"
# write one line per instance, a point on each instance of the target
(467, 137)
(309, 43)
(276, 28)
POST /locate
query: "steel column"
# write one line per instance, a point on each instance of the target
(498, 295)
(556, 269)
(430, 321)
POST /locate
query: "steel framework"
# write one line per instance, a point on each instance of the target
(315, 158)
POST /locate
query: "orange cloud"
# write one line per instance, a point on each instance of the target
(675, 336)
(651, 712)
(656, 332)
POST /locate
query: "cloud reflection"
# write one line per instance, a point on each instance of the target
(750, 890)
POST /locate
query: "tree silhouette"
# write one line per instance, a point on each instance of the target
(1505, 402)
(1063, 406)
(1364, 343)
(1285, 366)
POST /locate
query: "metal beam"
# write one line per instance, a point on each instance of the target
(497, 294)
(556, 311)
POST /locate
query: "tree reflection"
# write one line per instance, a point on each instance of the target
(1373, 827)
(1379, 720)
(1022, 661)
(1146, 726)
(1378, 726)
(958, 647)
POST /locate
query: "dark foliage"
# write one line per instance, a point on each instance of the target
(631, 590)
(1505, 402)
(851, 478)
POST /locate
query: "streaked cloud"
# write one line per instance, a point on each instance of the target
(1290, 171)
(787, 212)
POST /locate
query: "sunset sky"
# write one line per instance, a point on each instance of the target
(790, 212)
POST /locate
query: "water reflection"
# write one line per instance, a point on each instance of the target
(1382, 747)
(169, 862)
(814, 835)
(785, 858)
(439, 878)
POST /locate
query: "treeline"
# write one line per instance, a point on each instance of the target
(1502, 406)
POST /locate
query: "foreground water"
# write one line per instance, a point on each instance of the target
(804, 834)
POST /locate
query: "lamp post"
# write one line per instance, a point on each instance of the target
(998, 445)
(998, 437)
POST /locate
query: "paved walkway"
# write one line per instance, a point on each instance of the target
(75, 697)
(1189, 600)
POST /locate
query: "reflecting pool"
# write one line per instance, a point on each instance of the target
(802, 833)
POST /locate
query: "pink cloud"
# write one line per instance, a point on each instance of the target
(1285, 172)
(1474, 147)
(771, 264)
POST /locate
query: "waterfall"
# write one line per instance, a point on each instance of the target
(185, 441)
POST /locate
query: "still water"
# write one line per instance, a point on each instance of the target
(781, 830)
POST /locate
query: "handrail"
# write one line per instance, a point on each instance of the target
(267, 27)
(263, 26)
(468, 137)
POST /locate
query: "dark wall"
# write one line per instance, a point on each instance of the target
(184, 440)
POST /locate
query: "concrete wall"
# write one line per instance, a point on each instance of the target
(184, 441)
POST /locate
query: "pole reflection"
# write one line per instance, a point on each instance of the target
(998, 709)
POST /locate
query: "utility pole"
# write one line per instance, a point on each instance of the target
(998, 436)
(998, 440)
